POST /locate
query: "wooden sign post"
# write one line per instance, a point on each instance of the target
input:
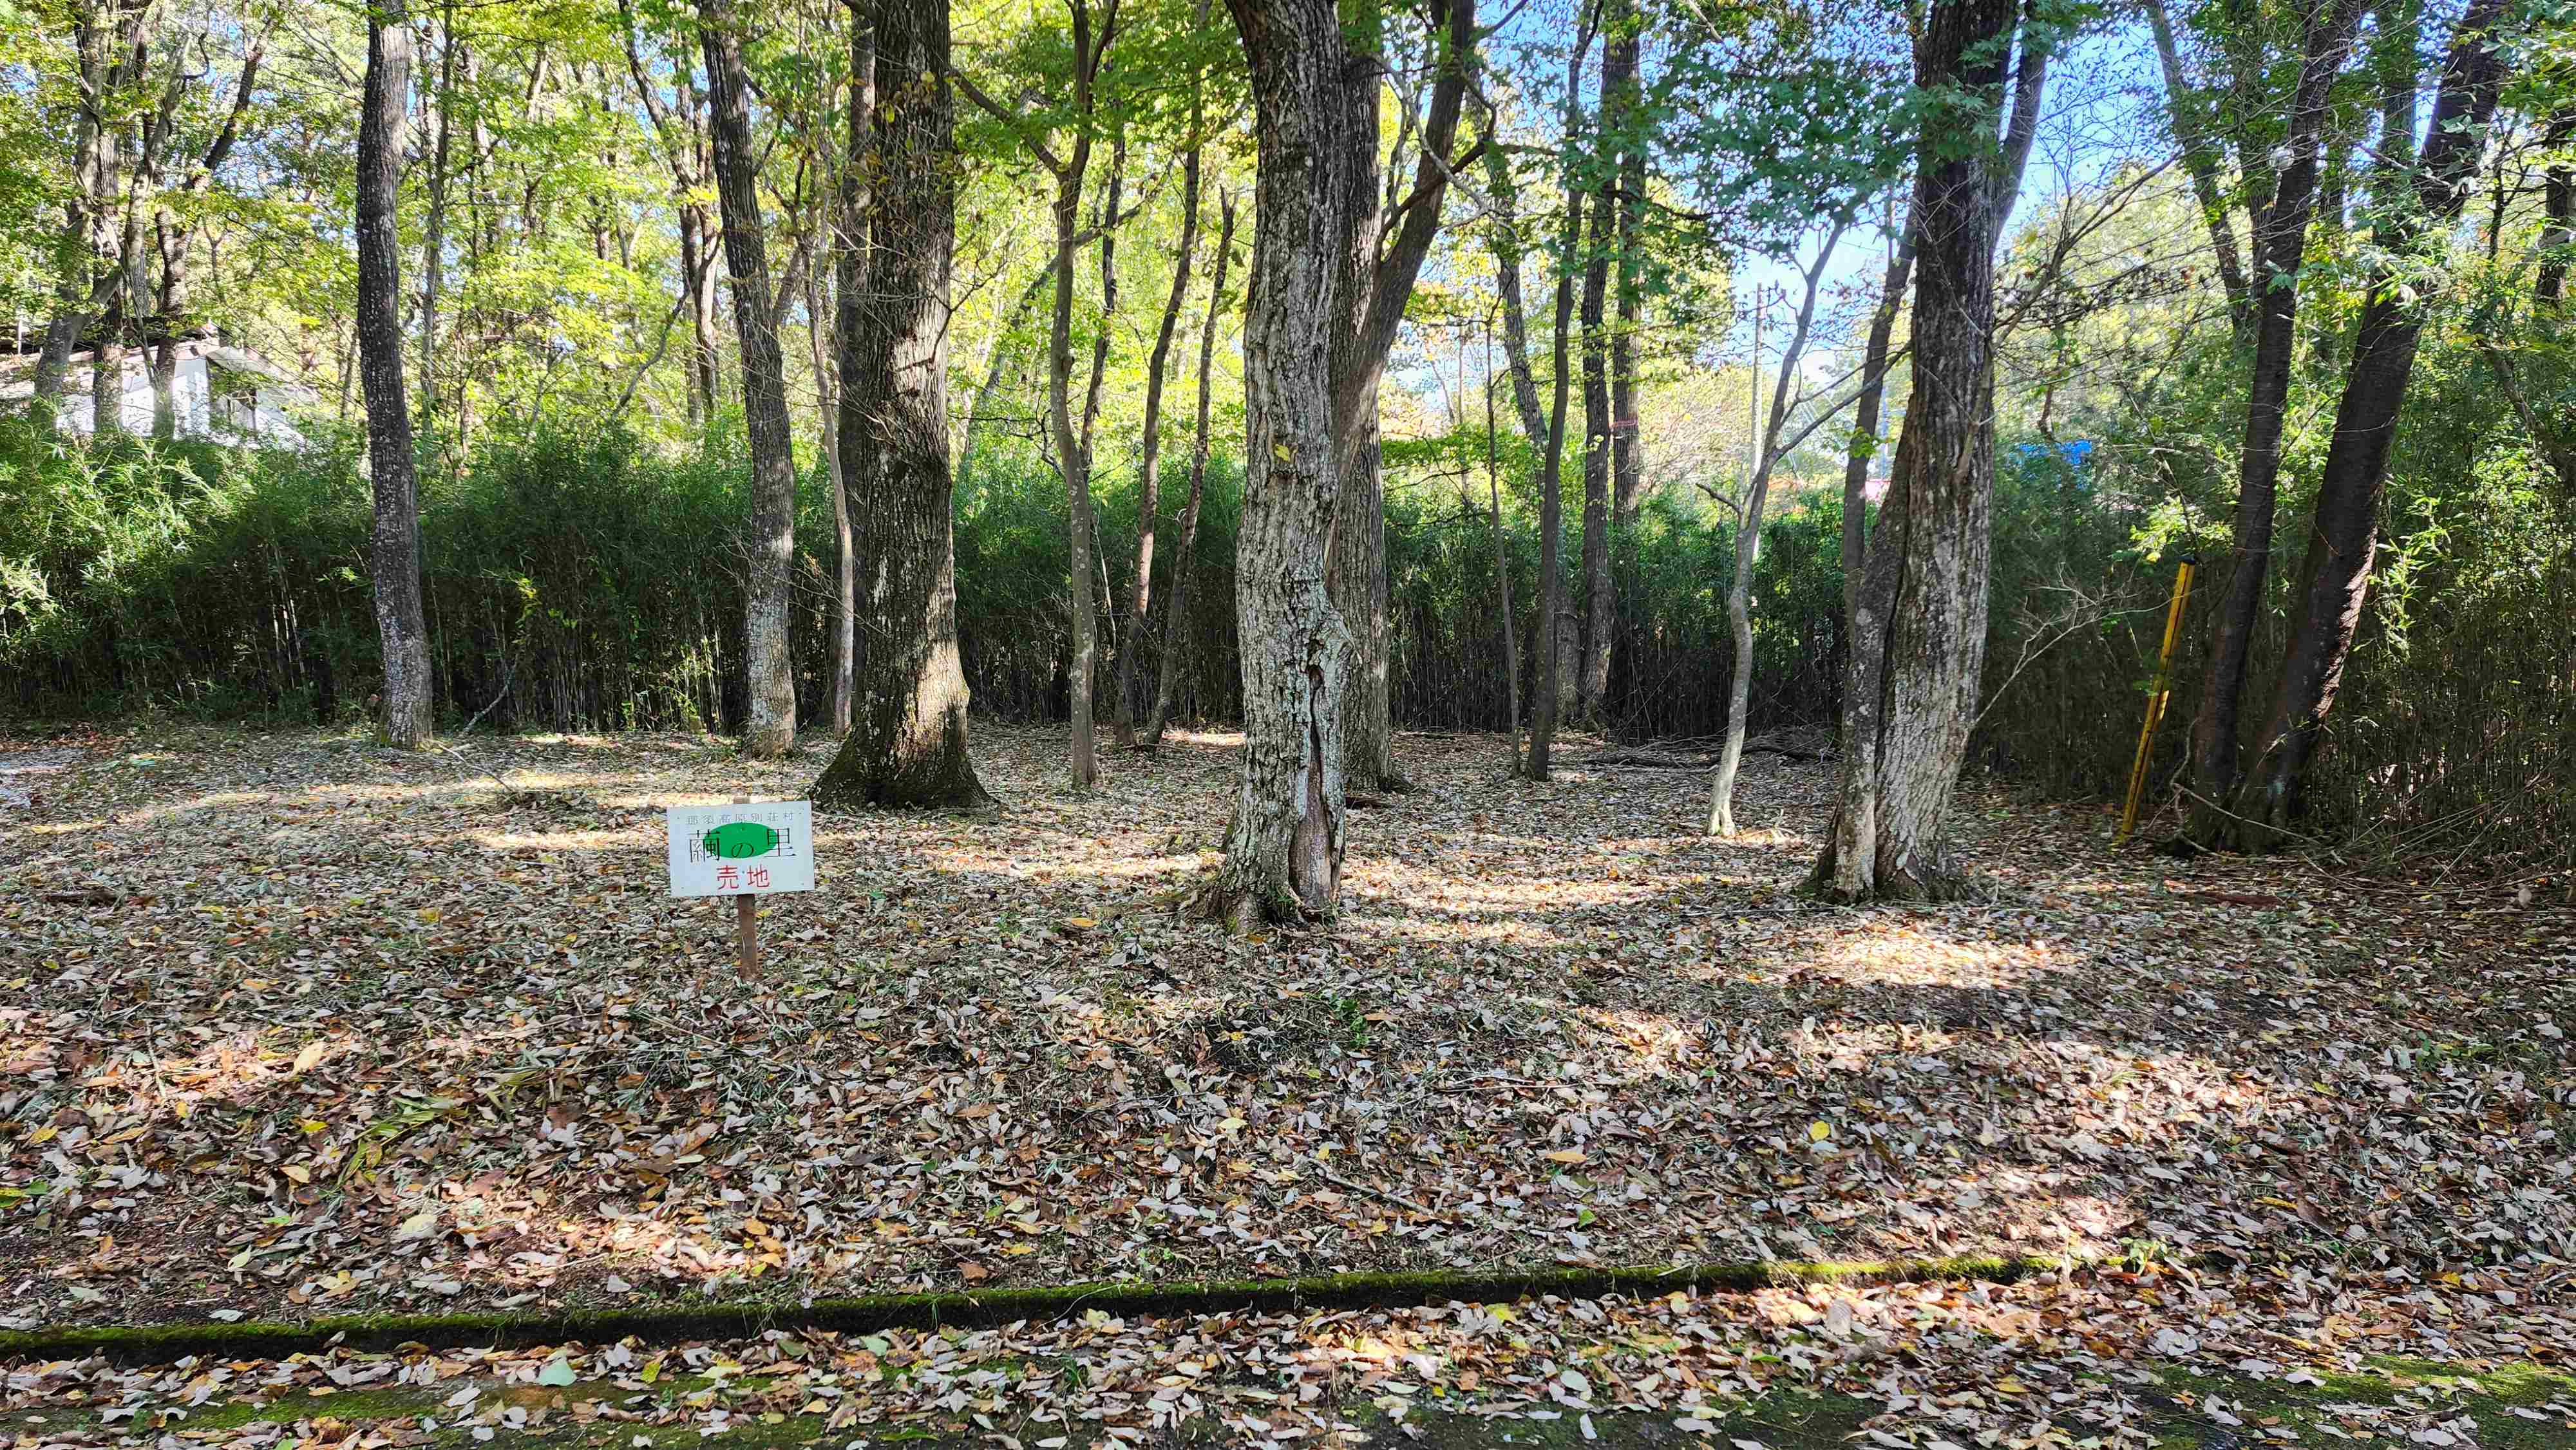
(746, 850)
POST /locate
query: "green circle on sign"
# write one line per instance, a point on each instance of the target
(740, 840)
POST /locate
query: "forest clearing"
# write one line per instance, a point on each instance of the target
(319, 1027)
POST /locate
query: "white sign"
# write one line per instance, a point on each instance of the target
(742, 850)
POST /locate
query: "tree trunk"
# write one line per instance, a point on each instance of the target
(1748, 542)
(1592, 680)
(1627, 462)
(1122, 729)
(433, 245)
(1865, 424)
(1075, 461)
(1176, 611)
(394, 552)
(1551, 478)
(1502, 562)
(770, 733)
(2335, 576)
(2558, 206)
(1600, 604)
(820, 337)
(1503, 237)
(2201, 160)
(1149, 495)
(1912, 688)
(1283, 856)
(907, 742)
(2280, 241)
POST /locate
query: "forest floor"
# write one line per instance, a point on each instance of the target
(293, 1025)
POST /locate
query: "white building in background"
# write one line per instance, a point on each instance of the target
(229, 394)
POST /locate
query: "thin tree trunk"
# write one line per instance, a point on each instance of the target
(433, 246)
(1503, 235)
(2335, 576)
(907, 742)
(1627, 460)
(1911, 691)
(1105, 602)
(1502, 561)
(1600, 605)
(770, 733)
(2280, 241)
(1748, 545)
(1074, 460)
(1176, 611)
(845, 582)
(1551, 478)
(1149, 496)
(395, 547)
(1865, 424)
(993, 364)
(2201, 161)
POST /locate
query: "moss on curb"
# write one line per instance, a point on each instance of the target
(149, 1343)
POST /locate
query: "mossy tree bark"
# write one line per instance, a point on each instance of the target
(907, 741)
(770, 732)
(394, 548)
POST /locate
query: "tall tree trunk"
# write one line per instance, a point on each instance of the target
(1551, 477)
(2335, 576)
(770, 733)
(907, 742)
(2280, 241)
(821, 340)
(2558, 207)
(850, 282)
(1627, 457)
(1748, 541)
(1911, 693)
(1283, 856)
(1504, 239)
(1600, 605)
(2201, 160)
(1075, 461)
(1149, 495)
(1502, 562)
(1865, 422)
(433, 244)
(1105, 602)
(395, 548)
(1176, 610)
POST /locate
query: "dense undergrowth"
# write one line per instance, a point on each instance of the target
(580, 579)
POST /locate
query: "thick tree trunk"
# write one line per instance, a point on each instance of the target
(1176, 610)
(770, 733)
(2280, 241)
(1283, 856)
(1912, 690)
(2335, 576)
(907, 741)
(394, 553)
(2558, 206)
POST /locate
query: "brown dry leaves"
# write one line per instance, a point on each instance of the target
(296, 1026)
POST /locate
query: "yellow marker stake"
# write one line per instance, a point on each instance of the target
(2156, 701)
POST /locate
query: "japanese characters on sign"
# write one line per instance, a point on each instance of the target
(742, 850)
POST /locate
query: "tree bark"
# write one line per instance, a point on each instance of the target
(2280, 241)
(1503, 238)
(2558, 207)
(1074, 460)
(1149, 494)
(907, 741)
(1176, 610)
(2335, 576)
(1551, 478)
(1911, 689)
(1627, 461)
(1502, 562)
(1592, 679)
(394, 552)
(770, 733)
(1748, 546)
(1283, 856)
(1865, 423)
